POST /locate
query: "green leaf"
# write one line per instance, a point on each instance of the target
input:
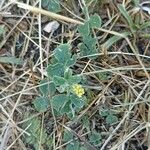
(136, 2)
(95, 21)
(51, 5)
(35, 132)
(62, 88)
(88, 47)
(70, 62)
(77, 102)
(74, 79)
(59, 101)
(61, 83)
(146, 36)
(47, 89)
(11, 60)
(84, 50)
(35, 124)
(89, 1)
(66, 108)
(49, 143)
(67, 136)
(73, 146)
(43, 137)
(62, 53)
(110, 119)
(123, 11)
(103, 76)
(90, 43)
(32, 130)
(68, 73)
(95, 138)
(84, 30)
(41, 104)
(86, 122)
(55, 70)
(53, 60)
(113, 40)
(104, 113)
(145, 25)
(83, 148)
(58, 81)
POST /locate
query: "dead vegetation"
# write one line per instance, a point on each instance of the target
(116, 78)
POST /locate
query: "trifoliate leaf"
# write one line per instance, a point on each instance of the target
(95, 138)
(110, 119)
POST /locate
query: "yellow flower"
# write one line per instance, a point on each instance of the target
(78, 90)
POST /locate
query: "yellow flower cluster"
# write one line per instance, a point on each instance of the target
(78, 90)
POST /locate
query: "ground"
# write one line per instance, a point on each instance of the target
(76, 76)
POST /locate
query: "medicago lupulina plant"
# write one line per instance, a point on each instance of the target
(61, 89)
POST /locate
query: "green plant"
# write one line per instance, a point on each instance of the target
(61, 89)
(128, 18)
(109, 115)
(72, 143)
(136, 2)
(88, 46)
(95, 138)
(52, 5)
(37, 137)
(114, 39)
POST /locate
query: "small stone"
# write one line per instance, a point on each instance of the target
(51, 26)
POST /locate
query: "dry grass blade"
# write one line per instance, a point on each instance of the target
(125, 116)
(47, 13)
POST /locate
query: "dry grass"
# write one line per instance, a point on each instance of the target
(126, 90)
